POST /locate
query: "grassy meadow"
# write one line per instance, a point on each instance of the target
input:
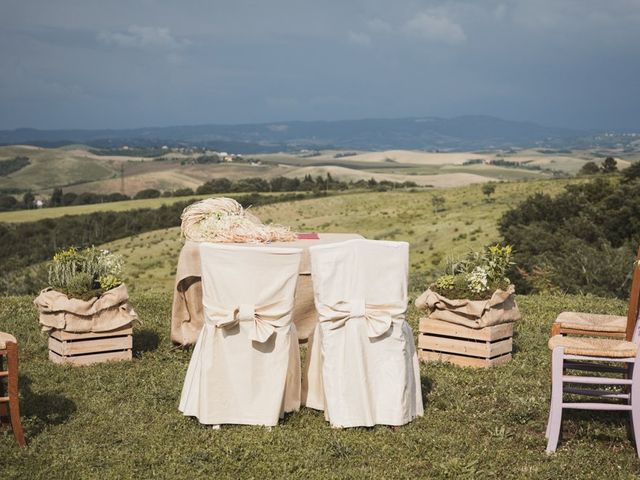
(121, 420)
(116, 421)
(468, 221)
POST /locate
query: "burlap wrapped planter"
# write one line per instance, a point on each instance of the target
(82, 332)
(476, 333)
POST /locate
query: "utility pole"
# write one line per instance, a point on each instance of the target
(122, 178)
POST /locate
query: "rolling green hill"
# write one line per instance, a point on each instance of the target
(467, 222)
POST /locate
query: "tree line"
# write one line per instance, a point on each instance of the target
(25, 244)
(13, 165)
(307, 184)
(59, 198)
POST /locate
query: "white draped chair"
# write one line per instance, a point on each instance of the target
(245, 366)
(363, 368)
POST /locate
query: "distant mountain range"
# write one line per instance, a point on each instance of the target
(430, 133)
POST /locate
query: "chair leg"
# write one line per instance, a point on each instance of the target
(551, 404)
(555, 411)
(635, 411)
(4, 409)
(12, 387)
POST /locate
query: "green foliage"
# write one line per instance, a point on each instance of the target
(109, 281)
(437, 203)
(631, 173)
(609, 165)
(584, 240)
(284, 184)
(147, 193)
(8, 202)
(56, 197)
(477, 275)
(488, 189)
(85, 273)
(589, 168)
(27, 200)
(8, 167)
(183, 192)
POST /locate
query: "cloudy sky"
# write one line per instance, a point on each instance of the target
(120, 64)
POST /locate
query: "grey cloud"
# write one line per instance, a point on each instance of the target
(436, 26)
(141, 62)
(359, 38)
(142, 37)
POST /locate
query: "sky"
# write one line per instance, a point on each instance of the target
(135, 63)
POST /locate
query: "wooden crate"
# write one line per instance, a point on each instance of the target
(88, 348)
(448, 342)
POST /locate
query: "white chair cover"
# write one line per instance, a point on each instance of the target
(245, 366)
(363, 367)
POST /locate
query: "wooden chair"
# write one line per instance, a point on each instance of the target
(587, 355)
(9, 391)
(614, 326)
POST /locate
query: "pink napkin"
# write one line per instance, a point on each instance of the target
(307, 236)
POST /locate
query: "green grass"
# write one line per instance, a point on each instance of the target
(121, 420)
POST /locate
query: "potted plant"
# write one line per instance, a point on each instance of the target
(475, 292)
(470, 311)
(86, 308)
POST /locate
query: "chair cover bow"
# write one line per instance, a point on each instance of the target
(265, 318)
(379, 316)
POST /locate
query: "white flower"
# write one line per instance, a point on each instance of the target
(477, 280)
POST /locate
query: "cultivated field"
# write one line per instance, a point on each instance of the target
(77, 169)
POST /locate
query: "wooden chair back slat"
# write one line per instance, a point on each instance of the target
(634, 299)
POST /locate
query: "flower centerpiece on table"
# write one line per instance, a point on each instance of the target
(86, 292)
(224, 220)
(475, 291)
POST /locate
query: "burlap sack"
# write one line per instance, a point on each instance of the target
(500, 308)
(109, 311)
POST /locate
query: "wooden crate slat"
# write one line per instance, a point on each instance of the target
(462, 360)
(62, 335)
(55, 345)
(501, 347)
(439, 327)
(90, 346)
(443, 344)
(90, 358)
(453, 343)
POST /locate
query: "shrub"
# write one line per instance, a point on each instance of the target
(147, 193)
(8, 202)
(85, 273)
(589, 168)
(477, 275)
(584, 239)
(631, 173)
